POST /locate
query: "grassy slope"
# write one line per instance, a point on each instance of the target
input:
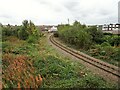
(56, 71)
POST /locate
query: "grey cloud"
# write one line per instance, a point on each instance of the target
(71, 5)
(44, 2)
(104, 12)
(5, 16)
(57, 11)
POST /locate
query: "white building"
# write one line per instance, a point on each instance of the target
(53, 29)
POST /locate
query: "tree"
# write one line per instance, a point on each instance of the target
(75, 35)
(25, 24)
(76, 23)
(28, 29)
(7, 31)
(32, 27)
(23, 34)
(96, 34)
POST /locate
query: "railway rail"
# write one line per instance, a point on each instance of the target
(93, 61)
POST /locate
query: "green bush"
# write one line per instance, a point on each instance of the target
(55, 66)
(4, 46)
(115, 40)
(117, 55)
(6, 31)
(75, 35)
(105, 44)
(56, 34)
(31, 39)
(96, 34)
(23, 34)
(109, 50)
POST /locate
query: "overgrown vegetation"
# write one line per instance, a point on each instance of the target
(26, 31)
(32, 63)
(92, 41)
(18, 70)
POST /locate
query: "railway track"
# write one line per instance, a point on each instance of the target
(93, 61)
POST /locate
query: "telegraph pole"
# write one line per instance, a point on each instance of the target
(68, 21)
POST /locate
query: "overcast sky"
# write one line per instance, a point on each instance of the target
(58, 11)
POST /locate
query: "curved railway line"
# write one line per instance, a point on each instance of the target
(114, 70)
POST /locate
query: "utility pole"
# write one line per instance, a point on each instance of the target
(68, 21)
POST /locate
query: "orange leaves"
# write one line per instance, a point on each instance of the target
(18, 86)
(32, 78)
(40, 78)
(34, 82)
(27, 84)
(21, 71)
(36, 79)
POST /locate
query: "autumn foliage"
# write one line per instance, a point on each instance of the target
(19, 72)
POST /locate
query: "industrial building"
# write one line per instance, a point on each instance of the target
(111, 28)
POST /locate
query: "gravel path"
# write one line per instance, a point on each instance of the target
(105, 75)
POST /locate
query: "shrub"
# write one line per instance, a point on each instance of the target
(23, 31)
(96, 34)
(31, 39)
(115, 40)
(56, 34)
(75, 35)
(117, 54)
(23, 34)
(19, 73)
(6, 31)
(95, 50)
(109, 50)
(105, 44)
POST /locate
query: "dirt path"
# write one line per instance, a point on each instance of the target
(105, 75)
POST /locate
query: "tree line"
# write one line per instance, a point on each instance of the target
(91, 39)
(27, 31)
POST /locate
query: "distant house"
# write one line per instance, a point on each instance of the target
(49, 28)
(53, 29)
(45, 27)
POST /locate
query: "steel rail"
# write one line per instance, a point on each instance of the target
(95, 62)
